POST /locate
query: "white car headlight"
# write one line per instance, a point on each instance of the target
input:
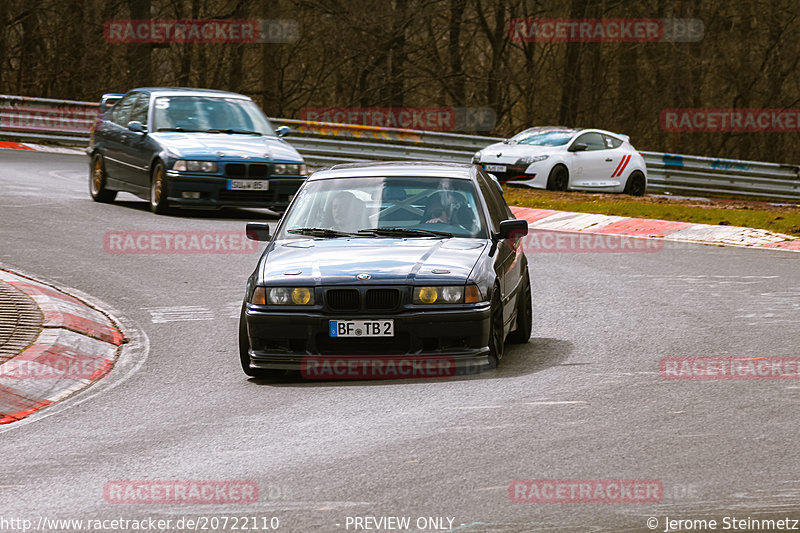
(194, 166)
(289, 168)
(527, 160)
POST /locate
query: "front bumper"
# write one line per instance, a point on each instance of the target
(534, 175)
(290, 340)
(213, 192)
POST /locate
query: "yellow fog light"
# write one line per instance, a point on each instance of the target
(427, 295)
(301, 296)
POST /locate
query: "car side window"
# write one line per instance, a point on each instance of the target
(593, 141)
(139, 109)
(122, 109)
(611, 142)
(490, 194)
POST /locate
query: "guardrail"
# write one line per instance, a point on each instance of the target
(323, 144)
(696, 175)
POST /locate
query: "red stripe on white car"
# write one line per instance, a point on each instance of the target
(619, 165)
(622, 164)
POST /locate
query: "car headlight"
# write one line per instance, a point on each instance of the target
(194, 166)
(289, 168)
(283, 296)
(525, 161)
(476, 158)
(450, 294)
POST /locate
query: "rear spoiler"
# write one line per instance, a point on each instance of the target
(109, 100)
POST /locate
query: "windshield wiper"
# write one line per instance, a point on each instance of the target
(178, 128)
(320, 232)
(405, 232)
(232, 131)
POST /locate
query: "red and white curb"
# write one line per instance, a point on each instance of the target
(564, 221)
(9, 145)
(77, 345)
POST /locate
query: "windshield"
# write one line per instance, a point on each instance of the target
(385, 207)
(214, 114)
(542, 138)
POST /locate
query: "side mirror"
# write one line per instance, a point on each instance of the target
(258, 231)
(283, 131)
(579, 147)
(514, 227)
(136, 126)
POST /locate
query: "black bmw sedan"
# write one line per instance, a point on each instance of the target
(387, 262)
(192, 148)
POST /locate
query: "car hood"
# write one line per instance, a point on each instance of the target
(510, 153)
(223, 146)
(387, 261)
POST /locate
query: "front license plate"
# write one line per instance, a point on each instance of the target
(362, 328)
(248, 185)
(495, 168)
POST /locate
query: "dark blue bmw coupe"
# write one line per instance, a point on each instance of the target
(193, 148)
(378, 263)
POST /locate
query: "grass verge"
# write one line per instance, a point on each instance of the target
(780, 218)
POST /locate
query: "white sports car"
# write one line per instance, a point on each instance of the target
(560, 159)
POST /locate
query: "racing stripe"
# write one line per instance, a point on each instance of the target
(619, 165)
(623, 164)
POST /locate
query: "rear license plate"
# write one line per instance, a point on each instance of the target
(248, 185)
(361, 328)
(495, 168)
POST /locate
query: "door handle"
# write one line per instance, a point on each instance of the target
(609, 160)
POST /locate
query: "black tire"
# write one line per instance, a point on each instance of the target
(522, 333)
(558, 180)
(496, 330)
(158, 189)
(244, 354)
(636, 184)
(97, 181)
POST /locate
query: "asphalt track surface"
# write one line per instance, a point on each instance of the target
(584, 400)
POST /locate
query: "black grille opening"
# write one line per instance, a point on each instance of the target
(343, 299)
(259, 171)
(246, 196)
(235, 170)
(397, 345)
(382, 299)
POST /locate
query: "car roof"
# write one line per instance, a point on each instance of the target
(188, 91)
(564, 129)
(575, 131)
(422, 169)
